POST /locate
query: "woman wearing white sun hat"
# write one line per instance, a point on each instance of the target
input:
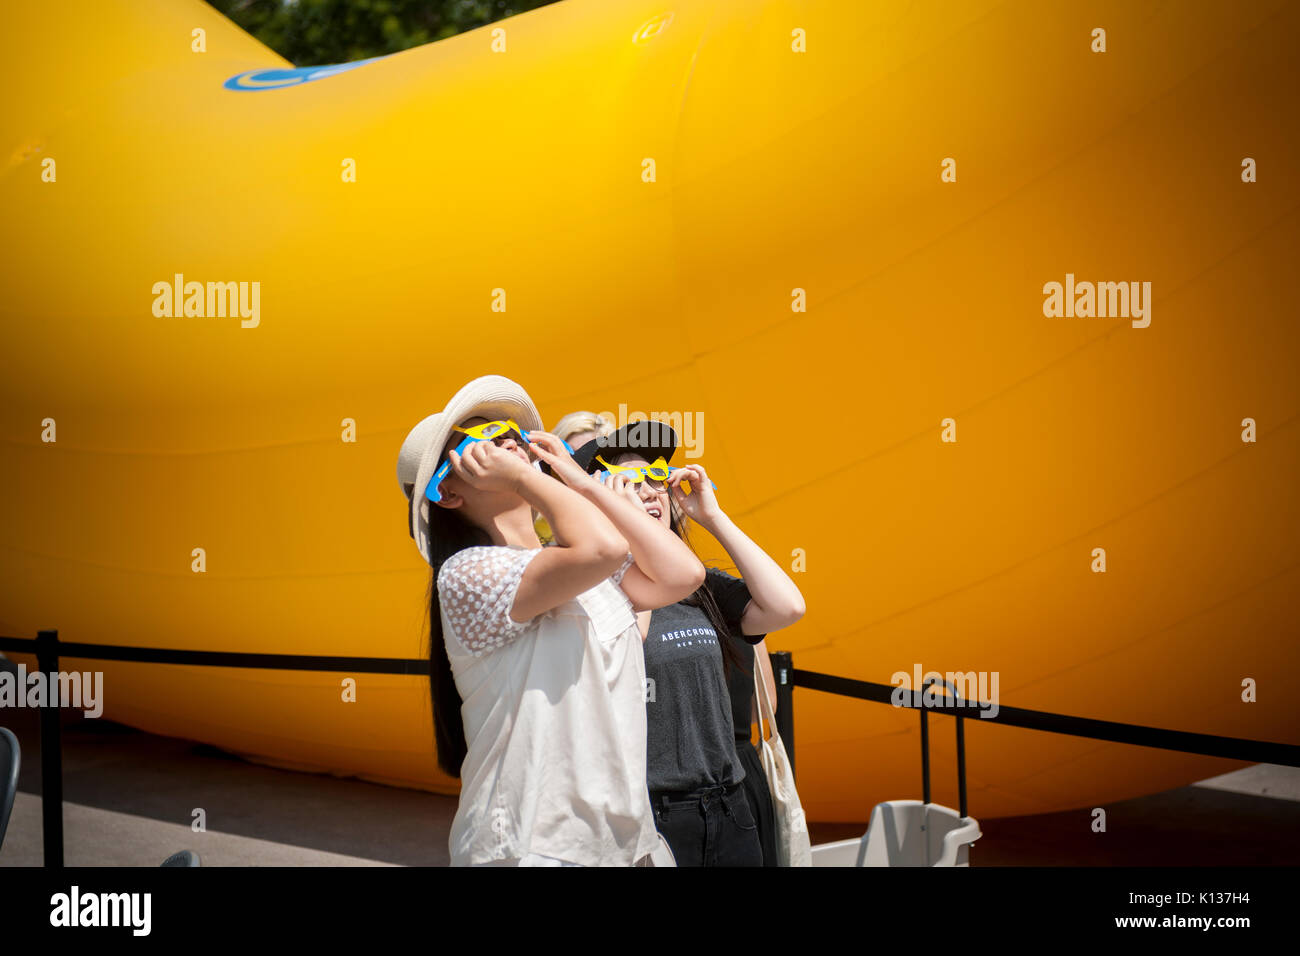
(537, 674)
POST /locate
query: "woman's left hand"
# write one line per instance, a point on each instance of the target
(701, 505)
(626, 489)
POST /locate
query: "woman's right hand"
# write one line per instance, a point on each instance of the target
(490, 468)
(549, 449)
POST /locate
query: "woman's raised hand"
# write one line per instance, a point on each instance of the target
(490, 468)
(701, 505)
(621, 486)
(549, 449)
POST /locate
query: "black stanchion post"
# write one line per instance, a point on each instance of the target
(47, 660)
(925, 755)
(961, 766)
(783, 672)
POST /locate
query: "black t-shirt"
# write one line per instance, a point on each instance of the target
(690, 731)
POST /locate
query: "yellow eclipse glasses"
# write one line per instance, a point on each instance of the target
(490, 430)
(658, 470)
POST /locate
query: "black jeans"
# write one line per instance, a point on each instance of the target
(709, 827)
(760, 798)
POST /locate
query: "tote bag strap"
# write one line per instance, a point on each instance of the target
(765, 709)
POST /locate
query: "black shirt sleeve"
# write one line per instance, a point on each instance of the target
(732, 597)
(740, 686)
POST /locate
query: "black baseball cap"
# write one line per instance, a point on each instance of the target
(649, 439)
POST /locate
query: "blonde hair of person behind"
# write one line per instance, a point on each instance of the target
(575, 423)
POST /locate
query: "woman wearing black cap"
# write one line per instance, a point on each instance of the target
(696, 764)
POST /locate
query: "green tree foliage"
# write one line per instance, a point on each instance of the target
(318, 32)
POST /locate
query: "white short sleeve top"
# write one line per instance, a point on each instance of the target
(554, 714)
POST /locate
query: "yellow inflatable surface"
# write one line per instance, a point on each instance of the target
(826, 232)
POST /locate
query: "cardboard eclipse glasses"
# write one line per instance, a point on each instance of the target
(488, 431)
(658, 470)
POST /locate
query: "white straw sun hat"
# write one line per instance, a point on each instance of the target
(408, 459)
(408, 462)
(491, 397)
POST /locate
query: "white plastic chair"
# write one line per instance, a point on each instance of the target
(839, 853)
(911, 832)
(905, 833)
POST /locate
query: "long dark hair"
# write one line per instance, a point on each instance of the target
(449, 532)
(702, 598)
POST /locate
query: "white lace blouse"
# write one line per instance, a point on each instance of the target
(554, 714)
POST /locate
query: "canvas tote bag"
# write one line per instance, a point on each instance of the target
(793, 845)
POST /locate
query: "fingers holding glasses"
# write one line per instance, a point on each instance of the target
(485, 466)
(695, 475)
(685, 504)
(468, 464)
(621, 486)
(551, 450)
(680, 475)
(693, 492)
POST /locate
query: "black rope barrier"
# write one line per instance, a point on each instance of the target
(49, 650)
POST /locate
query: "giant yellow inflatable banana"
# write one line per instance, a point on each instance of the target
(967, 302)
